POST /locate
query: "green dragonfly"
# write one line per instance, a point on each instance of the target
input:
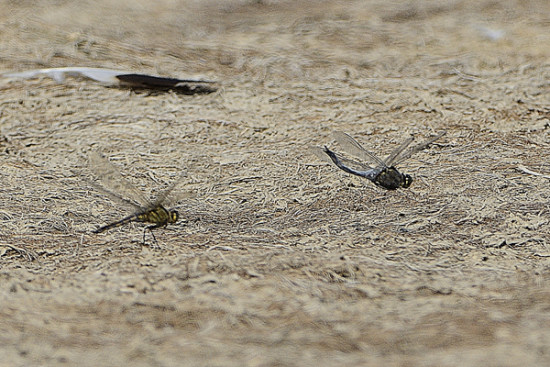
(117, 187)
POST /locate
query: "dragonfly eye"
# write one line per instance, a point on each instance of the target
(407, 181)
(174, 216)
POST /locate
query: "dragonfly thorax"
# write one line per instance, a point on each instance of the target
(391, 179)
(159, 216)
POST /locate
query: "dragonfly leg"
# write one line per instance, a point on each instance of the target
(150, 228)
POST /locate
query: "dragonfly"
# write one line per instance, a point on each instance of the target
(118, 188)
(382, 172)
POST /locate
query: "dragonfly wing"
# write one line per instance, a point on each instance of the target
(352, 147)
(329, 156)
(417, 148)
(320, 153)
(167, 196)
(114, 184)
(114, 196)
(393, 155)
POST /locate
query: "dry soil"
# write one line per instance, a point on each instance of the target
(281, 259)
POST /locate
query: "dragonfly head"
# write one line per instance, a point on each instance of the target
(174, 216)
(407, 181)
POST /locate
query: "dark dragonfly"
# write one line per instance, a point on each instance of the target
(118, 188)
(383, 173)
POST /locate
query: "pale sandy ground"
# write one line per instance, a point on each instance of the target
(283, 260)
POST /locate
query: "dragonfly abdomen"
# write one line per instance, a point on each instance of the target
(370, 174)
(131, 218)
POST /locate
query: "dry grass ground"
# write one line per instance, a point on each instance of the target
(282, 260)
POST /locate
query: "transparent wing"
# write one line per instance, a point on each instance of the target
(352, 147)
(393, 155)
(114, 184)
(114, 196)
(400, 158)
(167, 197)
(321, 154)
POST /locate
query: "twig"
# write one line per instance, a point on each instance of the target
(528, 171)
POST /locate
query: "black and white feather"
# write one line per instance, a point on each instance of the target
(118, 78)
